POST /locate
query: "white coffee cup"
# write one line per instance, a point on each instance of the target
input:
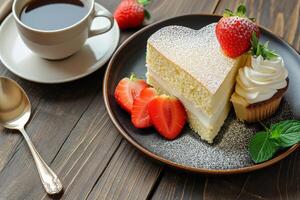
(61, 43)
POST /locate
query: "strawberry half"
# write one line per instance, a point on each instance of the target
(139, 115)
(127, 90)
(131, 13)
(168, 116)
(234, 32)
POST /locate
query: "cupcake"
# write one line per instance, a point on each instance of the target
(260, 85)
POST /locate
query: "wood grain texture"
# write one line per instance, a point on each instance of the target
(130, 175)
(179, 185)
(72, 131)
(162, 9)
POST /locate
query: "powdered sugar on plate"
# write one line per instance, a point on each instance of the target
(229, 150)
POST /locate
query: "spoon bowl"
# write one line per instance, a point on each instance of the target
(15, 110)
(15, 107)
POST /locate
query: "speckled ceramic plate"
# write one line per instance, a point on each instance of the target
(229, 152)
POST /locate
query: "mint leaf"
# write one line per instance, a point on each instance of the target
(261, 147)
(254, 43)
(276, 129)
(258, 49)
(265, 144)
(269, 55)
(286, 133)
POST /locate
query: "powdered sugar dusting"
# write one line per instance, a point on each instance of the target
(229, 150)
(195, 51)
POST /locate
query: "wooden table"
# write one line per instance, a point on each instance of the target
(72, 131)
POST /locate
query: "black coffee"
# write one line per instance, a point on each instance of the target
(53, 14)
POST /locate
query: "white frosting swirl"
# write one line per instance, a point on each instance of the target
(261, 81)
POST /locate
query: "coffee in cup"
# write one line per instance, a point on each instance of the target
(56, 29)
(53, 14)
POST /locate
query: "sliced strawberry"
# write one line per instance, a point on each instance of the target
(168, 115)
(139, 115)
(127, 90)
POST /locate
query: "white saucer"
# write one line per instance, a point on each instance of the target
(21, 61)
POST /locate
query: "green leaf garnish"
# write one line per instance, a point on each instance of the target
(286, 133)
(258, 49)
(261, 148)
(264, 144)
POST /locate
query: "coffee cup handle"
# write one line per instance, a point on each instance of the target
(98, 31)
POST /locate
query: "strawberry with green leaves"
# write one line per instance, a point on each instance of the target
(131, 13)
(234, 31)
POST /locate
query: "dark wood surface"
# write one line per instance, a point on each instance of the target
(72, 131)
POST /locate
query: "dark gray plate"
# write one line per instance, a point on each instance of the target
(229, 153)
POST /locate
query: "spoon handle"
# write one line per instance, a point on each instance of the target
(49, 179)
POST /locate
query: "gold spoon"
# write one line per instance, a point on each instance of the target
(15, 110)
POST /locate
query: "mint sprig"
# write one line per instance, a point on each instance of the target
(259, 49)
(264, 144)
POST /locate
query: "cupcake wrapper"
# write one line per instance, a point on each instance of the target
(258, 112)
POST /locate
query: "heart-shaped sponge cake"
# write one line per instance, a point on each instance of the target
(190, 65)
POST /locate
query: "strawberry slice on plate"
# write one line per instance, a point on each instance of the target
(139, 115)
(127, 90)
(168, 115)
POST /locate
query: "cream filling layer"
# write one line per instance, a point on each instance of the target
(207, 121)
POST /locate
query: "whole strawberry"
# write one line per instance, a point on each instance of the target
(131, 13)
(234, 32)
